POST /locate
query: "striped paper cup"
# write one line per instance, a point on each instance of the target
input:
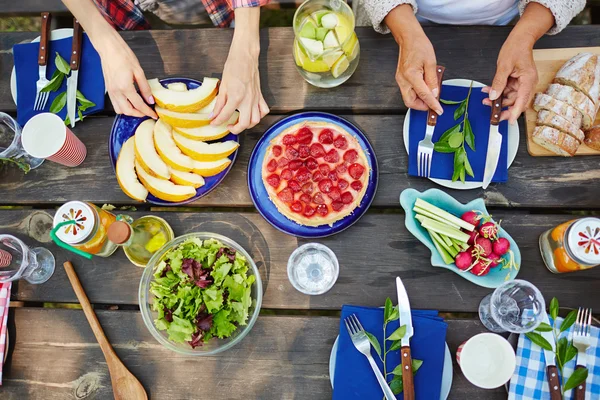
(5, 258)
(47, 136)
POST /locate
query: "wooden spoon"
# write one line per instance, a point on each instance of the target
(125, 385)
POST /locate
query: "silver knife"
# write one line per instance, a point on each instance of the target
(494, 144)
(551, 370)
(72, 80)
(405, 319)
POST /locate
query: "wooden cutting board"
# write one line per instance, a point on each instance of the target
(548, 62)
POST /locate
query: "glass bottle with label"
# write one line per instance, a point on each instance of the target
(141, 238)
(572, 246)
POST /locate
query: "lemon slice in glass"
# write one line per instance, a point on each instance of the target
(331, 57)
(304, 62)
(351, 47)
(340, 66)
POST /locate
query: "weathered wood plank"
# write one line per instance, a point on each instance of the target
(32, 7)
(533, 181)
(371, 254)
(467, 52)
(282, 358)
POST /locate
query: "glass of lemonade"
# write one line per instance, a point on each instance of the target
(326, 49)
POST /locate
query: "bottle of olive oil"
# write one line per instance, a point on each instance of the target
(140, 238)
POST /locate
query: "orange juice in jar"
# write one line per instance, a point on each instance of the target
(89, 232)
(572, 246)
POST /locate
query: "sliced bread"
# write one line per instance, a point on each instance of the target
(582, 72)
(548, 118)
(576, 99)
(543, 101)
(556, 141)
(592, 138)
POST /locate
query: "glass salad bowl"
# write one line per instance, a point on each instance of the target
(214, 345)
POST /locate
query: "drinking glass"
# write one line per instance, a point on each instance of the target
(313, 269)
(17, 261)
(11, 145)
(515, 306)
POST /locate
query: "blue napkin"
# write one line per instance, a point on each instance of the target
(90, 81)
(442, 165)
(354, 378)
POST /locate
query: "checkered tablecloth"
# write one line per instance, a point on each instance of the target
(529, 379)
(4, 303)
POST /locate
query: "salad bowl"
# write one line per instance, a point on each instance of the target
(214, 345)
(438, 198)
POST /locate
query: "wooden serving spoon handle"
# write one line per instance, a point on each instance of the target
(125, 385)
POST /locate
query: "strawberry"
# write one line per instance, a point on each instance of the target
(289, 140)
(307, 188)
(282, 162)
(296, 206)
(291, 153)
(304, 136)
(318, 198)
(351, 156)
(302, 175)
(356, 185)
(286, 174)
(305, 198)
(272, 166)
(308, 211)
(324, 169)
(322, 209)
(317, 176)
(286, 195)
(325, 185)
(333, 176)
(356, 171)
(303, 151)
(274, 180)
(341, 169)
(332, 156)
(311, 164)
(347, 197)
(334, 193)
(294, 185)
(337, 205)
(326, 136)
(317, 150)
(341, 143)
(295, 164)
(343, 184)
(277, 150)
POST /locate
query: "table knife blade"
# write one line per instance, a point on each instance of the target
(494, 143)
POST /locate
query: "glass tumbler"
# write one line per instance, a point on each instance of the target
(35, 265)
(10, 142)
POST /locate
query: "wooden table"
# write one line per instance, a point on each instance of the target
(53, 353)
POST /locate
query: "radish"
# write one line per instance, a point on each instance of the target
(489, 230)
(501, 246)
(494, 259)
(472, 217)
(463, 260)
(472, 237)
(480, 268)
(483, 246)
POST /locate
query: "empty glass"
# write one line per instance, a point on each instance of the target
(515, 306)
(10, 142)
(17, 261)
(313, 268)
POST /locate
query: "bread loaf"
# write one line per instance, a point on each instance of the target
(543, 101)
(548, 118)
(556, 141)
(576, 99)
(592, 138)
(582, 72)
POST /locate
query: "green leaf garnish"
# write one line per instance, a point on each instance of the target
(374, 343)
(543, 327)
(55, 82)
(450, 102)
(460, 110)
(577, 378)
(387, 311)
(398, 333)
(568, 321)
(554, 308)
(61, 64)
(59, 103)
(539, 340)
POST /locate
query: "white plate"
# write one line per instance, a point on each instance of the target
(446, 373)
(513, 141)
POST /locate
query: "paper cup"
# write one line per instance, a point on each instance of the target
(487, 360)
(47, 136)
(5, 258)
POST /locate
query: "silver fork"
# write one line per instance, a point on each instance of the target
(41, 98)
(362, 344)
(581, 340)
(425, 149)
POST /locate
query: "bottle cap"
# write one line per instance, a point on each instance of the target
(84, 218)
(119, 232)
(584, 240)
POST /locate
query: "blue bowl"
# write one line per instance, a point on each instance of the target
(124, 127)
(438, 198)
(267, 208)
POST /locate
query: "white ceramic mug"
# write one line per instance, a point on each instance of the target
(487, 360)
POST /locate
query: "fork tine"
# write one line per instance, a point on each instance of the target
(419, 163)
(353, 320)
(348, 327)
(428, 165)
(359, 325)
(577, 322)
(46, 95)
(589, 323)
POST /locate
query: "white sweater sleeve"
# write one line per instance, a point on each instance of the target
(379, 9)
(563, 10)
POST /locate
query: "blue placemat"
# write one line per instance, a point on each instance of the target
(354, 378)
(442, 165)
(90, 81)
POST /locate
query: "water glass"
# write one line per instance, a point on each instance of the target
(313, 269)
(35, 265)
(515, 306)
(11, 145)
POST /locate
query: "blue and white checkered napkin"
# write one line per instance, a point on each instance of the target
(529, 379)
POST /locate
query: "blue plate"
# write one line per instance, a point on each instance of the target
(267, 208)
(124, 127)
(497, 276)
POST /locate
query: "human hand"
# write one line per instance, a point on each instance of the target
(121, 70)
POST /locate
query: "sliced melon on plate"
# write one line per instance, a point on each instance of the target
(202, 151)
(211, 168)
(125, 171)
(145, 152)
(208, 108)
(164, 189)
(208, 132)
(168, 150)
(187, 178)
(183, 120)
(177, 86)
(188, 101)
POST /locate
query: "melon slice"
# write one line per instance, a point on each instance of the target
(202, 151)
(187, 178)
(188, 101)
(168, 150)
(208, 108)
(145, 152)
(177, 86)
(183, 120)
(208, 132)
(164, 189)
(125, 172)
(211, 168)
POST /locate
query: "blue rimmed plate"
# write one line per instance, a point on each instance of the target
(124, 127)
(267, 208)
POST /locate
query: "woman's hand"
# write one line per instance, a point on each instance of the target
(240, 87)
(416, 73)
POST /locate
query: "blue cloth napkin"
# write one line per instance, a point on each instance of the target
(442, 165)
(354, 378)
(529, 379)
(90, 81)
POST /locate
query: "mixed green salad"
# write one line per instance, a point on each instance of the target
(202, 290)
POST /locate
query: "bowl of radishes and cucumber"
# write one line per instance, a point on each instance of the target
(462, 237)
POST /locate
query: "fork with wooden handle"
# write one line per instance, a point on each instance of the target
(125, 385)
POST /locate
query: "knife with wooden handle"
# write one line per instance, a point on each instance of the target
(405, 319)
(73, 79)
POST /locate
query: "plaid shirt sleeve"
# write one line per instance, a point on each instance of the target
(249, 3)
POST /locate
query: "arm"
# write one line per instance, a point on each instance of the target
(377, 10)
(119, 65)
(240, 88)
(563, 11)
(516, 73)
(416, 75)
